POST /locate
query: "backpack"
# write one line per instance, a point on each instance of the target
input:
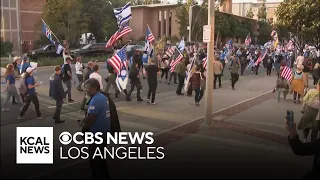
(23, 88)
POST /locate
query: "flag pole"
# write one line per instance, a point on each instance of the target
(51, 32)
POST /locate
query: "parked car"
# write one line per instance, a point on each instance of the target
(131, 48)
(95, 49)
(48, 50)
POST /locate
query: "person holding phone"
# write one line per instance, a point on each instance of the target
(304, 149)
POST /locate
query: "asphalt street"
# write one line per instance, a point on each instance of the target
(47, 104)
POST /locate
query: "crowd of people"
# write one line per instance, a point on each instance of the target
(158, 69)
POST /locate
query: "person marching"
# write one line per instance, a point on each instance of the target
(181, 69)
(152, 74)
(197, 80)
(164, 65)
(111, 80)
(297, 84)
(67, 77)
(234, 70)
(16, 73)
(31, 94)
(11, 89)
(57, 93)
(217, 72)
(79, 72)
(134, 81)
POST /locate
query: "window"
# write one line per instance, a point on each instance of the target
(6, 18)
(13, 3)
(5, 3)
(14, 19)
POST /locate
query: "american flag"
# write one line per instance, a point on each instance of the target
(175, 62)
(248, 40)
(262, 56)
(287, 73)
(149, 35)
(204, 63)
(117, 35)
(171, 51)
(118, 60)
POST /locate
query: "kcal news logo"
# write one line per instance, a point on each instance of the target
(34, 145)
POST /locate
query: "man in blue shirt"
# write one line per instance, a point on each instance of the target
(31, 95)
(97, 120)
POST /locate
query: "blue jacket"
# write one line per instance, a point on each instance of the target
(56, 90)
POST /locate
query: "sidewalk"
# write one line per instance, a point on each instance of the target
(252, 143)
(171, 111)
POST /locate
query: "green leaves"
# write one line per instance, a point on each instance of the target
(249, 13)
(301, 18)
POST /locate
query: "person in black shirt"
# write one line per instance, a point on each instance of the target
(67, 77)
(135, 82)
(152, 74)
(57, 93)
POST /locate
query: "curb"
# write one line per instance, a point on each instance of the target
(166, 132)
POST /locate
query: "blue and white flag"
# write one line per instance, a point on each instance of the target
(47, 32)
(251, 62)
(267, 44)
(59, 49)
(181, 45)
(123, 14)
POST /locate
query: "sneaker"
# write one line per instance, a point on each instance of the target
(70, 100)
(197, 104)
(20, 118)
(148, 101)
(39, 118)
(153, 103)
(5, 109)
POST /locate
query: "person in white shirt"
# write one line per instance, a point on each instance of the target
(79, 71)
(300, 59)
(96, 75)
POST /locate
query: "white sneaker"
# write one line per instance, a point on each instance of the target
(5, 109)
(20, 118)
(148, 101)
(154, 103)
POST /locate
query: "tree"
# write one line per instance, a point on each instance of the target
(301, 18)
(250, 13)
(65, 19)
(264, 32)
(262, 12)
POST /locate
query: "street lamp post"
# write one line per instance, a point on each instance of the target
(209, 75)
(190, 21)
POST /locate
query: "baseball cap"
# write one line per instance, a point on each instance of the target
(16, 58)
(30, 69)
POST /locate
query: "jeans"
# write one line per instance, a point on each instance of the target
(12, 91)
(215, 77)
(181, 82)
(34, 99)
(152, 91)
(243, 67)
(80, 79)
(99, 168)
(57, 112)
(234, 79)
(199, 95)
(138, 86)
(68, 91)
(174, 74)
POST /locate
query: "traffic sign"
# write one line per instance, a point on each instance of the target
(207, 33)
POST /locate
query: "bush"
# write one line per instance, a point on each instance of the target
(5, 48)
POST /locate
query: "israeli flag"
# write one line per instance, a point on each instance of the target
(181, 45)
(122, 78)
(59, 49)
(123, 14)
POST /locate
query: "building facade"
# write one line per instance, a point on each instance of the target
(161, 18)
(241, 9)
(20, 20)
